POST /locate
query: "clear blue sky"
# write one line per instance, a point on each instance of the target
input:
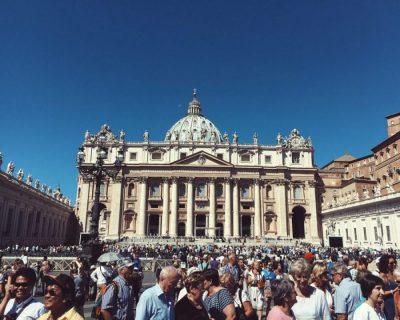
(329, 68)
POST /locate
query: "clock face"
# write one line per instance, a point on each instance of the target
(295, 142)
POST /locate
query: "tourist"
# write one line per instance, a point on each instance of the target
(218, 302)
(102, 276)
(157, 302)
(320, 280)
(311, 301)
(191, 306)
(117, 301)
(232, 267)
(255, 285)
(79, 290)
(59, 298)
(386, 267)
(23, 305)
(284, 297)
(372, 291)
(347, 293)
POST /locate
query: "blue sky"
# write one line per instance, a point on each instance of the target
(329, 68)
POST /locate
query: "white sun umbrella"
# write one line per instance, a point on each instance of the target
(109, 256)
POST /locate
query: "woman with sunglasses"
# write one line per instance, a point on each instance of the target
(320, 280)
(191, 307)
(311, 301)
(18, 302)
(385, 266)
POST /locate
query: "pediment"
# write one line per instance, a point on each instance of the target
(202, 159)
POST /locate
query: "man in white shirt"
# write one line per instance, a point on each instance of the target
(23, 306)
(102, 275)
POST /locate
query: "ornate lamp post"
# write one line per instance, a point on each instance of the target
(97, 172)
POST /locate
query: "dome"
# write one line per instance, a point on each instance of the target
(194, 127)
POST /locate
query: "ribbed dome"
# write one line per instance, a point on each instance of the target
(194, 127)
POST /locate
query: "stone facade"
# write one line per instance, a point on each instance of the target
(31, 214)
(198, 182)
(359, 202)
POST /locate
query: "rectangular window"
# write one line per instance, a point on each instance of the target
(154, 190)
(355, 234)
(154, 206)
(156, 156)
(267, 159)
(297, 193)
(220, 206)
(376, 233)
(220, 156)
(347, 234)
(182, 206)
(246, 207)
(183, 155)
(389, 238)
(295, 157)
(132, 156)
(245, 158)
(365, 233)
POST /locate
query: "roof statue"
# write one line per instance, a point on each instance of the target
(194, 127)
(20, 175)
(10, 168)
(294, 140)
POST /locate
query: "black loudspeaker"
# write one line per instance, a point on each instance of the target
(336, 242)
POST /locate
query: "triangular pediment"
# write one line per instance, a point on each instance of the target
(202, 158)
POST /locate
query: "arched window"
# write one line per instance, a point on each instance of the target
(201, 190)
(219, 190)
(131, 188)
(245, 191)
(297, 193)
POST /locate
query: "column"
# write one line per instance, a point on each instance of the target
(282, 212)
(189, 211)
(212, 217)
(174, 208)
(84, 204)
(257, 209)
(236, 222)
(227, 224)
(116, 205)
(313, 210)
(141, 221)
(164, 221)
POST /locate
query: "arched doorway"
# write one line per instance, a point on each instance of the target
(246, 226)
(181, 229)
(103, 215)
(200, 225)
(154, 224)
(219, 232)
(298, 219)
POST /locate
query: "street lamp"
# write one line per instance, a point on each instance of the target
(97, 172)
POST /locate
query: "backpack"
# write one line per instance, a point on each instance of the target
(96, 311)
(240, 312)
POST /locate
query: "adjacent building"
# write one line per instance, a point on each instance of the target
(361, 199)
(33, 214)
(199, 182)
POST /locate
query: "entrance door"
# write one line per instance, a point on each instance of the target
(298, 219)
(219, 232)
(200, 225)
(181, 229)
(246, 226)
(154, 224)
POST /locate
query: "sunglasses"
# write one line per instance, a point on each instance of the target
(21, 284)
(51, 292)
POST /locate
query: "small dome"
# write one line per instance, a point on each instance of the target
(194, 127)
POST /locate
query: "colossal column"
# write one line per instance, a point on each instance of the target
(141, 221)
(189, 214)
(257, 209)
(227, 224)
(164, 221)
(313, 211)
(236, 223)
(174, 208)
(212, 217)
(115, 216)
(281, 203)
(84, 203)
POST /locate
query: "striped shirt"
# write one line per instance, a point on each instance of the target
(119, 301)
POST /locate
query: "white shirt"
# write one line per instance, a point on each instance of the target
(33, 309)
(314, 307)
(101, 275)
(366, 312)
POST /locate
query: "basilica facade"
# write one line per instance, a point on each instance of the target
(199, 182)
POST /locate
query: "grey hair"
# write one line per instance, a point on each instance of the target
(168, 271)
(341, 268)
(300, 266)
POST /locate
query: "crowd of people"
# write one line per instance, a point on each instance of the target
(211, 282)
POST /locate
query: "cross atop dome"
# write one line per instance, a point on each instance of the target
(194, 107)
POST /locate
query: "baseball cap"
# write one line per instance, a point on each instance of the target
(65, 282)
